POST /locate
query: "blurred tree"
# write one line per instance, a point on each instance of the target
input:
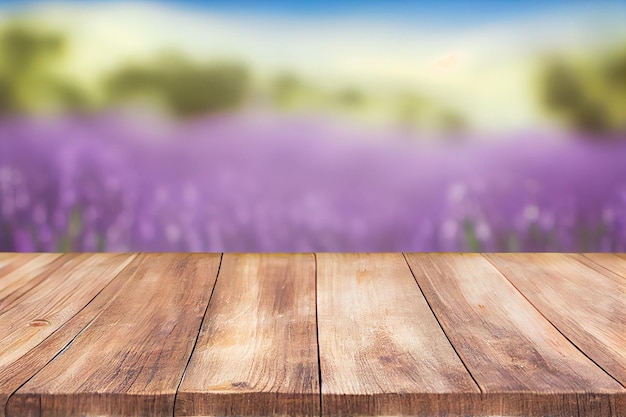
(28, 59)
(410, 109)
(285, 89)
(182, 86)
(452, 121)
(6, 95)
(351, 97)
(615, 70)
(23, 48)
(587, 95)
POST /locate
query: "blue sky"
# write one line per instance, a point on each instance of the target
(471, 11)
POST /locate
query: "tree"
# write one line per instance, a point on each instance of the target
(28, 58)
(285, 89)
(351, 97)
(588, 95)
(183, 87)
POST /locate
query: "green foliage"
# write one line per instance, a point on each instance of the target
(351, 97)
(615, 70)
(182, 86)
(410, 109)
(25, 49)
(285, 89)
(33, 61)
(7, 94)
(471, 240)
(74, 227)
(452, 121)
(588, 94)
(28, 57)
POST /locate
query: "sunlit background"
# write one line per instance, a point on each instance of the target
(295, 126)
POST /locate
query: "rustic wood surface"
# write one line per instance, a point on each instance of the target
(614, 262)
(381, 349)
(259, 341)
(29, 364)
(23, 273)
(63, 291)
(129, 360)
(506, 343)
(584, 301)
(312, 334)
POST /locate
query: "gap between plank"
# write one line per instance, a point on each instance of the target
(548, 320)
(440, 326)
(193, 348)
(584, 255)
(47, 272)
(317, 341)
(67, 345)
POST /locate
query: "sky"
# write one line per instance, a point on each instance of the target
(470, 11)
(457, 11)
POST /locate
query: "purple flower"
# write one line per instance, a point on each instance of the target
(236, 183)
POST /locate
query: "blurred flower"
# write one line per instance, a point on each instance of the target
(235, 183)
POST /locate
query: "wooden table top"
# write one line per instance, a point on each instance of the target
(312, 334)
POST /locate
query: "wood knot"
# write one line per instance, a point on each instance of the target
(39, 323)
(386, 359)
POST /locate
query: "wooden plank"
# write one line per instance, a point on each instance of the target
(22, 272)
(130, 358)
(586, 302)
(62, 292)
(523, 365)
(7, 259)
(614, 262)
(382, 351)
(21, 267)
(29, 364)
(257, 351)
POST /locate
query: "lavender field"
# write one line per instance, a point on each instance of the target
(239, 183)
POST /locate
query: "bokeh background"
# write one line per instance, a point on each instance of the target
(270, 125)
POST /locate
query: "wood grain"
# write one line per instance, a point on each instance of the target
(523, 365)
(257, 351)
(28, 365)
(64, 289)
(111, 334)
(23, 272)
(381, 349)
(131, 357)
(586, 302)
(15, 260)
(11, 261)
(614, 262)
(6, 257)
